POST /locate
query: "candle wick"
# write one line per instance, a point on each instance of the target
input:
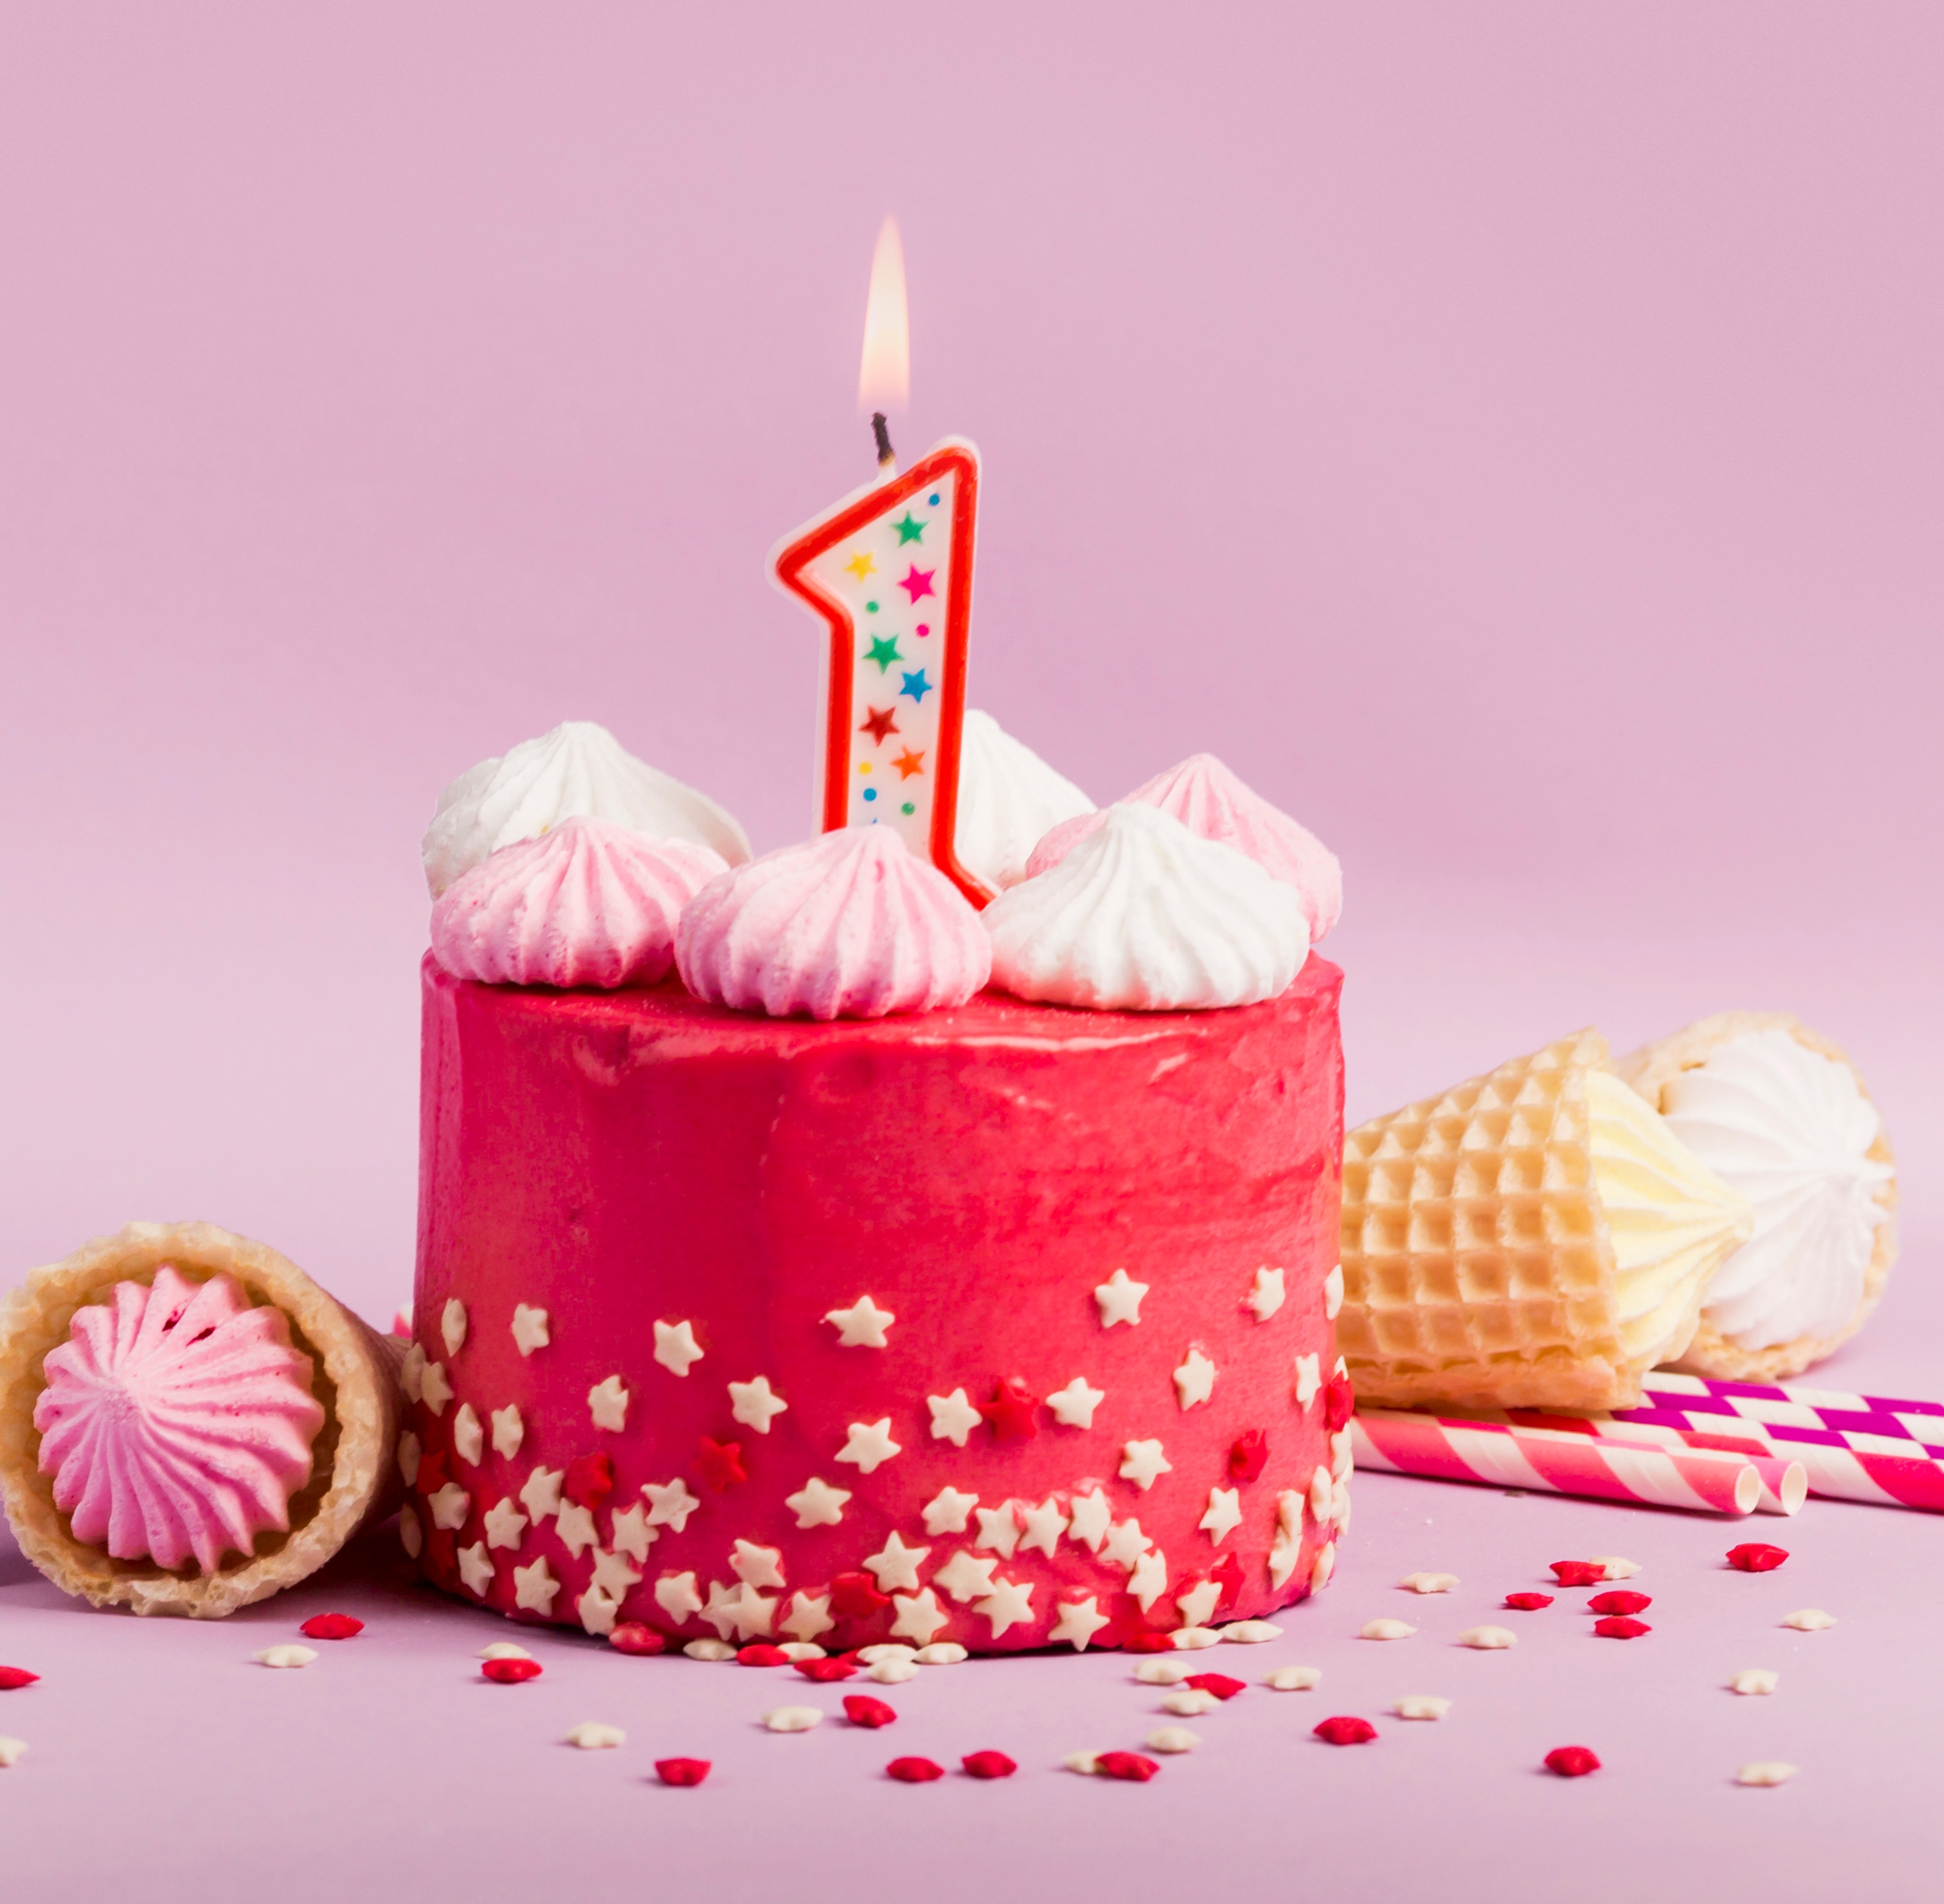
(887, 457)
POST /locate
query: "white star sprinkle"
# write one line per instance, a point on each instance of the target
(468, 1438)
(817, 1504)
(675, 1594)
(534, 1588)
(1073, 1406)
(1421, 1705)
(1285, 1551)
(541, 1495)
(920, 1616)
(742, 1607)
(809, 1615)
(411, 1373)
(965, 1577)
(1342, 1455)
(1224, 1515)
(1755, 1681)
(597, 1610)
(671, 1506)
(1043, 1527)
(574, 1524)
(449, 1507)
(1309, 1379)
(756, 1404)
(475, 1568)
(608, 1404)
(632, 1533)
(1087, 1518)
(947, 1510)
(1194, 1380)
(434, 1389)
(409, 1452)
(953, 1417)
(998, 1530)
(757, 1566)
(868, 1445)
(676, 1347)
(1125, 1543)
(1079, 1620)
(1120, 1299)
(862, 1325)
(1143, 1463)
(281, 1659)
(1010, 1604)
(1333, 1293)
(508, 1432)
(452, 1325)
(1322, 1493)
(1268, 1296)
(1293, 1679)
(1324, 1566)
(1765, 1771)
(1809, 1619)
(1429, 1583)
(530, 1328)
(505, 1525)
(613, 1575)
(1385, 1629)
(895, 1565)
(1149, 1580)
(591, 1737)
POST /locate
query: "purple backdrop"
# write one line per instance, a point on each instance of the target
(1508, 434)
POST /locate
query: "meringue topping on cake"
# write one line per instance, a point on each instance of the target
(578, 768)
(589, 903)
(1008, 798)
(852, 925)
(1143, 915)
(1210, 801)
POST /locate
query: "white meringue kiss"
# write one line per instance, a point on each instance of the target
(852, 925)
(591, 903)
(1144, 915)
(1209, 800)
(578, 768)
(1008, 798)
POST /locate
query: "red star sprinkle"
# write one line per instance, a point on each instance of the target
(432, 1475)
(1149, 1643)
(511, 1672)
(1579, 1573)
(824, 1671)
(721, 1463)
(1572, 1761)
(632, 1637)
(590, 1480)
(1339, 1401)
(861, 1709)
(915, 1771)
(1219, 1683)
(1756, 1557)
(1621, 1629)
(1528, 1603)
(1229, 1571)
(762, 1656)
(855, 1596)
(1009, 1413)
(988, 1765)
(1346, 1731)
(331, 1626)
(12, 1679)
(1250, 1455)
(1619, 1603)
(1127, 1765)
(681, 1771)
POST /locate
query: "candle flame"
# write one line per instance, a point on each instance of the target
(884, 382)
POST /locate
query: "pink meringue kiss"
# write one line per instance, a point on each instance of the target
(1208, 799)
(177, 1423)
(851, 925)
(591, 903)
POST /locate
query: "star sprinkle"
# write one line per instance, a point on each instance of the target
(1309, 1379)
(895, 1565)
(953, 1417)
(613, 1575)
(1325, 1564)
(434, 1389)
(468, 1438)
(947, 1510)
(1488, 1639)
(1268, 1295)
(449, 1507)
(998, 1530)
(530, 1328)
(880, 723)
(721, 1463)
(809, 1615)
(868, 1445)
(917, 584)
(1078, 1621)
(1199, 1604)
(534, 1588)
(631, 1533)
(1087, 1518)
(1224, 1515)
(1010, 1604)
(1143, 1463)
(793, 1718)
(756, 1404)
(910, 529)
(541, 1495)
(452, 1325)
(12, 1751)
(675, 1594)
(862, 1325)
(283, 1658)
(1386, 1629)
(1294, 1679)
(670, 1505)
(1073, 1406)
(590, 1737)
(756, 1566)
(1040, 1527)
(908, 764)
(1765, 1771)
(508, 1432)
(1194, 1380)
(607, 1402)
(505, 1525)
(817, 1504)
(475, 1568)
(863, 563)
(1333, 1293)
(1125, 1544)
(919, 1617)
(1011, 1412)
(741, 1607)
(884, 651)
(965, 1576)
(1227, 1570)
(1809, 1619)
(574, 1524)
(1120, 1299)
(676, 1347)
(1751, 1557)
(1149, 1580)
(916, 686)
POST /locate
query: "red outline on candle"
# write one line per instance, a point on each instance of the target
(788, 561)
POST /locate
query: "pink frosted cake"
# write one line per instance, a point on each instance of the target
(817, 1291)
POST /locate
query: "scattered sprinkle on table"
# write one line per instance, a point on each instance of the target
(1385, 1629)
(708, 1650)
(1754, 1681)
(12, 1679)
(1528, 1603)
(1619, 1603)
(1765, 1771)
(1161, 1673)
(915, 1771)
(590, 1736)
(511, 1672)
(1294, 1679)
(1087, 1763)
(827, 1671)
(1251, 1632)
(1429, 1583)
(1616, 1568)
(1488, 1639)
(1192, 1639)
(767, 1656)
(681, 1771)
(1809, 1619)
(11, 1751)
(331, 1626)
(1572, 1761)
(284, 1657)
(1421, 1705)
(1579, 1573)
(504, 1650)
(1219, 1683)
(1126, 1765)
(860, 1709)
(941, 1653)
(1756, 1557)
(1344, 1731)
(1172, 1738)
(793, 1718)
(637, 1641)
(1189, 1702)
(988, 1765)
(892, 1672)
(796, 1650)
(1621, 1628)
(869, 1656)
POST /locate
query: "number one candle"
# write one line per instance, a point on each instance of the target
(889, 570)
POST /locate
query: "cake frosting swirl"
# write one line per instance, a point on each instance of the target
(591, 903)
(577, 769)
(1142, 914)
(851, 924)
(1008, 799)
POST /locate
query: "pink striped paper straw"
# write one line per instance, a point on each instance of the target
(1502, 1454)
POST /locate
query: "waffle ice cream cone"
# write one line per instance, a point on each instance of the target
(354, 1375)
(1527, 1239)
(1795, 1169)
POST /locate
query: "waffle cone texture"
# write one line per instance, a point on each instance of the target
(354, 1377)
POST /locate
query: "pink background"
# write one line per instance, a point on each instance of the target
(1509, 434)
